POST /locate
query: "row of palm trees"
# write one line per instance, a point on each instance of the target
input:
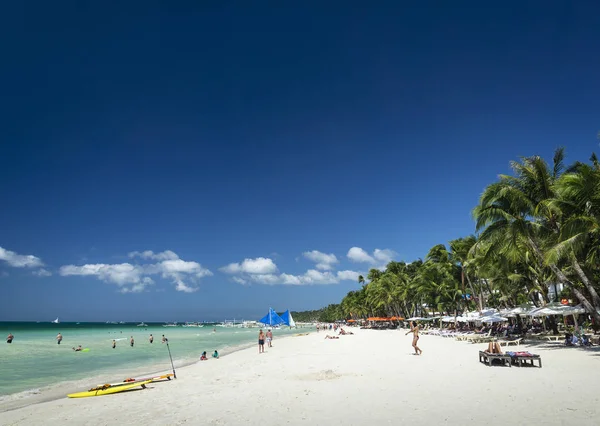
(536, 228)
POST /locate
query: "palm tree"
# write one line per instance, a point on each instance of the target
(513, 212)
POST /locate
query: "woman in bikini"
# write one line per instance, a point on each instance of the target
(414, 329)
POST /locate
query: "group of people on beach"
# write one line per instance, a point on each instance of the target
(215, 355)
(262, 336)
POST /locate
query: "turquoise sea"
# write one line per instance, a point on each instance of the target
(34, 362)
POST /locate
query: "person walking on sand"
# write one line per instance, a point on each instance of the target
(151, 338)
(58, 338)
(414, 329)
(269, 338)
(131, 341)
(261, 342)
(114, 344)
(9, 338)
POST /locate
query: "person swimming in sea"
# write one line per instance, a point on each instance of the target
(77, 349)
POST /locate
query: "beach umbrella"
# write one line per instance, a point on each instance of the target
(493, 318)
(574, 310)
(522, 309)
(448, 319)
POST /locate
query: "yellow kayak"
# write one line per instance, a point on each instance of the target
(108, 389)
(132, 381)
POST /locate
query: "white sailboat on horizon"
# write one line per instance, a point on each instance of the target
(55, 321)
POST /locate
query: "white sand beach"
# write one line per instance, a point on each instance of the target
(367, 378)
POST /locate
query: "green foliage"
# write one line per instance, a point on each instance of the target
(536, 227)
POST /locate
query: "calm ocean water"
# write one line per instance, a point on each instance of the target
(34, 360)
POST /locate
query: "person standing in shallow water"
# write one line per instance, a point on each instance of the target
(9, 338)
(261, 342)
(414, 329)
(58, 338)
(114, 344)
(151, 338)
(131, 341)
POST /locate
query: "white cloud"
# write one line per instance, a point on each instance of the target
(310, 277)
(42, 273)
(323, 261)
(356, 254)
(260, 266)
(348, 275)
(380, 257)
(169, 266)
(20, 260)
(149, 254)
(384, 256)
(239, 280)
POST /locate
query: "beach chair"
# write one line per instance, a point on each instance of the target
(522, 359)
(515, 342)
(487, 358)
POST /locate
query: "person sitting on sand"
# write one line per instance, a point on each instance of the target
(77, 349)
(203, 357)
(331, 337)
(494, 348)
(216, 354)
(9, 338)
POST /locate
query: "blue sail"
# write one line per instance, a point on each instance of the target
(271, 318)
(287, 318)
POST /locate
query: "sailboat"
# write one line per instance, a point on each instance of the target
(287, 319)
(55, 321)
(271, 319)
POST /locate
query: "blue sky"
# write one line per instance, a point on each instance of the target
(197, 162)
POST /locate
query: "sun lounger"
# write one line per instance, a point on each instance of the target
(515, 342)
(487, 358)
(522, 359)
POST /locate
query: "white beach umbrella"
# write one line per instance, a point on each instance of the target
(493, 318)
(574, 310)
(448, 319)
(549, 310)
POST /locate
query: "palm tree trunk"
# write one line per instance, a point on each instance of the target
(586, 281)
(563, 278)
(480, 302)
